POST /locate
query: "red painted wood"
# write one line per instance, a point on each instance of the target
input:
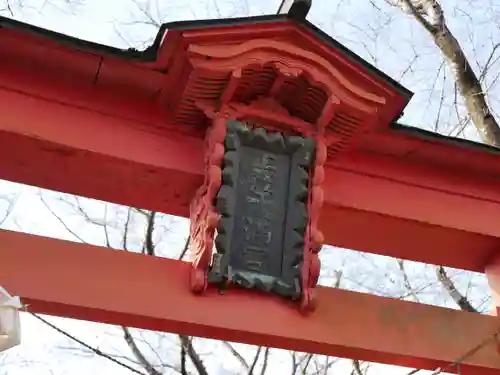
(91, 154)
(493, 275)
(86, 153)
(98, 126)
(443, 206)
(407, 239)
(92, 283)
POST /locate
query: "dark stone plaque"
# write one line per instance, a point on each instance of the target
(263, 203)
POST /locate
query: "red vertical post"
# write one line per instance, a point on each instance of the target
(492, 271)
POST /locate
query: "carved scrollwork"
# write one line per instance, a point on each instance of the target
(278, 87)
(203, 214)
(314, 237)
(289, 59)
(210, 210)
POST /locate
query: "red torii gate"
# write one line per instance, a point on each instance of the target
(128, 127)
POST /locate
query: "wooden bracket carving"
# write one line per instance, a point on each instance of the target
(253, 184)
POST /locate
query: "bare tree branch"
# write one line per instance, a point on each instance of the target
(149, 247)
(9, 8)
(406, 280)
(255, 360)
(265, 361)
(450, 287)
(11, 201)
(187, 342)
(236, 354)
(430, 15)
(356, 368)
(138, 354)
(183, 361)
(185, 249)
(105, 227)
(416, 11)
(308, 359)
(125, 229)
(91, 348)
(60, 219)
(488, 61)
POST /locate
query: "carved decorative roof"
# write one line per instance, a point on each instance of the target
(321, 90)
(278, 74)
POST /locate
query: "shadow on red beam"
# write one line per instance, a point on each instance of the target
(104, 285)
(87, 153)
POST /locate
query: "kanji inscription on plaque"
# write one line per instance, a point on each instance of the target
(263, 204)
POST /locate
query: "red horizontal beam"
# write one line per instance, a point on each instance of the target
(377, 204)
(92, 283)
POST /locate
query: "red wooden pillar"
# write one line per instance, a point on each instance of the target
(492, 271)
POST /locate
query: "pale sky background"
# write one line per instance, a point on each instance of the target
(392, 43)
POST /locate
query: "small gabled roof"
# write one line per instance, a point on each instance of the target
(151, 53)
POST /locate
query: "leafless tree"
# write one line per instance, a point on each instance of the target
(14, 8)
(432, 18)
(454, 70)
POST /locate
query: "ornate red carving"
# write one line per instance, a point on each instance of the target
(314, 237)
(203, 214)
(205, 218)
(289, 60)
(280, 87)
